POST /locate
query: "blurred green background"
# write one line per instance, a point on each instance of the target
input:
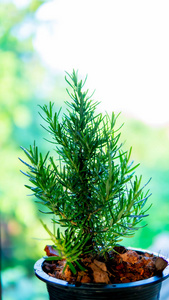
(25, 82)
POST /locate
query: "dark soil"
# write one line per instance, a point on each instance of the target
(121, 266)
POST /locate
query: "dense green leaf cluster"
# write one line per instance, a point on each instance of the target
(90, 186)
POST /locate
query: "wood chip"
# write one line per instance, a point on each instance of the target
(130, 256)
(99, 275)
(100, 264)
(160, 264)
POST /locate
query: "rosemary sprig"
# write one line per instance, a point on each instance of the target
(90, 187)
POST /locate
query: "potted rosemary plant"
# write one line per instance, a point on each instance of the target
(95, 200)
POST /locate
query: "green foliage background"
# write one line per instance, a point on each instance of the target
(24, 83)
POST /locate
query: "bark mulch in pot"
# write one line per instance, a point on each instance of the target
(121, 266)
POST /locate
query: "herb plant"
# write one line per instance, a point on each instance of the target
(89, 187)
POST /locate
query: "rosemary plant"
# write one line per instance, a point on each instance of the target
(90, 187)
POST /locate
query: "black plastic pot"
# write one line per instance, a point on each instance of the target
(147, 289)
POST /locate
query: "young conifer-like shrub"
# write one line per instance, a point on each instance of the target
(89, 187)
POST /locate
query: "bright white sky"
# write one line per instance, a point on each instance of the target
(122, 45)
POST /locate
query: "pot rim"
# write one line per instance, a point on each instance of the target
(62, 283)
